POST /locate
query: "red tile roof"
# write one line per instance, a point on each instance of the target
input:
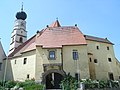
(59, 36)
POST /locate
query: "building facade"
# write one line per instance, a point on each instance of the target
(56, 51)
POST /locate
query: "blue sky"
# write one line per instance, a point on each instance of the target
(94, 17)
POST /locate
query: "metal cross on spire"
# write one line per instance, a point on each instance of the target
(22, 7)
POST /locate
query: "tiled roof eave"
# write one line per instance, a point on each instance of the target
(100, 41)
(15, 56)
(27, 51)
(75, 44)
(65, 45)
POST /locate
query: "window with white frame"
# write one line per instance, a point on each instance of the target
(51, 55)
(75, 55)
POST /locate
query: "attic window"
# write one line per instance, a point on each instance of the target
(0, 66)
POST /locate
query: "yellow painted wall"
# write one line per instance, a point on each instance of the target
(20, 70)
(118, 68)
(74, 66)
(42, 56)
(69, 65)
(91, 67)
(103, 66)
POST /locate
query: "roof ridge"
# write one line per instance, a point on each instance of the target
(99, 39)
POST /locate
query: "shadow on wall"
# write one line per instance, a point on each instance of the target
(8, 74)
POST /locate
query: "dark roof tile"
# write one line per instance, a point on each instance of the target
(104, 40)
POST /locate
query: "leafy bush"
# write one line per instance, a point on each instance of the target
(2, 88)
(69, 83)
(2, 83)
(30, 85)
(27, 85)
(112, 83)
(34, 87)
(102, 84)
(10, 84)
(90, 84)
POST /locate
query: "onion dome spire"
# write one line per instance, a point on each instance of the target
(21, 15)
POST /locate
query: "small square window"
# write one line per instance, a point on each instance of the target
(28, 76)
(77, 76)
(119, 77)
(0, 66)
(15, 61)
(51, 55)
(95, 61)
(75, 55)
(25, 61)
(108, 48)
(97, 47)
(90, 60)
(111, 76)
(109, 59)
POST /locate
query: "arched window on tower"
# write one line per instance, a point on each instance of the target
(21, 40)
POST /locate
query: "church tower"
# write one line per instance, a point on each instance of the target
(19, 34)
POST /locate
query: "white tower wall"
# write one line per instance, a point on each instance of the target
(19, 34)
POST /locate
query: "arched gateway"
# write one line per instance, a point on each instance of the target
(52, 78)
